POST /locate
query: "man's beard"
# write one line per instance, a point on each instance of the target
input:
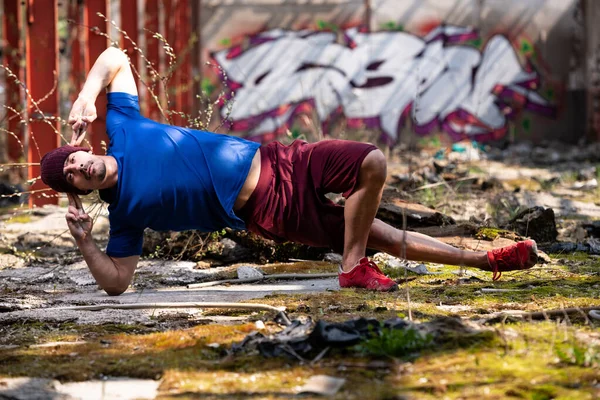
(100, 170)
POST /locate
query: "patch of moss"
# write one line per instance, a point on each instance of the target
(488, 233)
(20, 219)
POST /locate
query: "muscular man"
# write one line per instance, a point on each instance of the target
(172, 178)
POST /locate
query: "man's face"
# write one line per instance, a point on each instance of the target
(84, 170)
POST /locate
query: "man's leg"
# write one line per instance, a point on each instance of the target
(419, 247)
(361, 206)
(362, 230)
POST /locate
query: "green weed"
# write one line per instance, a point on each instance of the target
(396, 343)
(574, 353)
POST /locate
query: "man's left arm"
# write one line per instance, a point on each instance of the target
(111, 71)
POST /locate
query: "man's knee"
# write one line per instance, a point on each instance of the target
(374, 168)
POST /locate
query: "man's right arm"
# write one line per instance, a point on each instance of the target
(113, 274)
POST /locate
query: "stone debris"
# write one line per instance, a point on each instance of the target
(247, 272)
(110, 388)
(394, 262)
(322, 385)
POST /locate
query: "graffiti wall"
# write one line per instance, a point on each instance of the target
(481, 70)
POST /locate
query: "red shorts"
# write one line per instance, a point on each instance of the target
(289, 203)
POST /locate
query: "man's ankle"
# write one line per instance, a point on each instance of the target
(348, 266)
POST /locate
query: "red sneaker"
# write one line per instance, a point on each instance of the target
(367, 275)
(518, 256)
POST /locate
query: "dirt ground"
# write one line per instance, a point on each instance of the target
(531, 335)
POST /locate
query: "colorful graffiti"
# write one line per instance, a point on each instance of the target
(380, 80)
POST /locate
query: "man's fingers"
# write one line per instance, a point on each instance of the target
(75, 202)
(79, 204)
(71, 219)
(72, 201)
(77, 125)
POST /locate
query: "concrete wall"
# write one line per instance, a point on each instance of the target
(480, 69)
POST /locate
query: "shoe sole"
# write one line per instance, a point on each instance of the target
(533, 255)
(391, 289)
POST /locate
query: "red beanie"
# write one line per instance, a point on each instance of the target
(52, 165)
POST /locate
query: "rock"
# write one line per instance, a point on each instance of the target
(590, 246)
(230, 251)
(491, 183)
(392, 210)
(333, 258)
(246, 272)
(393, 262)
(203, 265)
(537, 223)
(592, 228)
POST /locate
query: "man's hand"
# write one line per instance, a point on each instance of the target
(82, 114)
(80, 224)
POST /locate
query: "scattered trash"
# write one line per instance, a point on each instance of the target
(585, 185)
(466, 151)
(259, 325)
(323, 385)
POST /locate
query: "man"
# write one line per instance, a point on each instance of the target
(172, 178)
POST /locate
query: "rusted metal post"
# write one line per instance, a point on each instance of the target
(591, 13)
(152, 54)
(12, 56)
(77, 75)
(129, 23)
(42, 64)
(169, 32)
(182, 78)
(196, 57)
(96, 44)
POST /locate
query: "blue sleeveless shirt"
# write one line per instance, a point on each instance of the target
(169, 178)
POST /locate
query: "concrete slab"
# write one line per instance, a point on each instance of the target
(89, 296)
(209, 294)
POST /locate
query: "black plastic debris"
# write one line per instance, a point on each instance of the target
(302, 338)
(590, 246)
